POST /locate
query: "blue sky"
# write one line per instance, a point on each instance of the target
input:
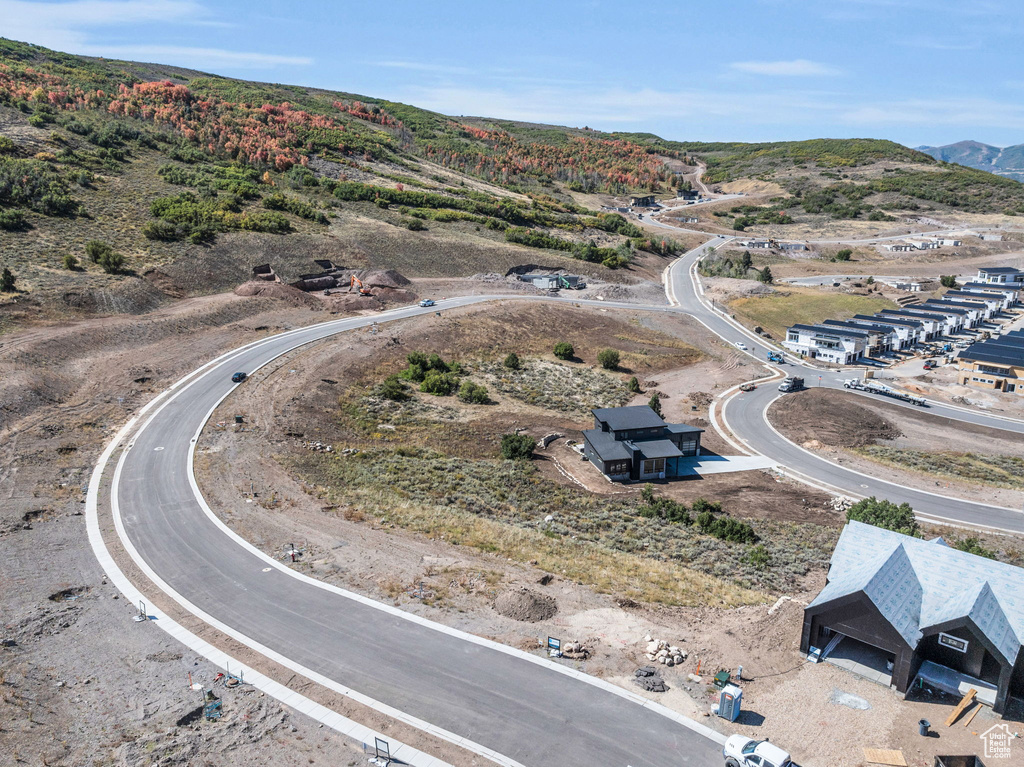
(914, 71)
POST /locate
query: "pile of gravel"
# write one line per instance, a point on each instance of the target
(525, 605)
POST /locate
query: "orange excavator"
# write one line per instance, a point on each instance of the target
(358, 283)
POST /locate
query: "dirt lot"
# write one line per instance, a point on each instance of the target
(78, 680)
(830, 423)
(72, 688)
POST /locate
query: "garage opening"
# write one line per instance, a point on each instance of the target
(872, 663)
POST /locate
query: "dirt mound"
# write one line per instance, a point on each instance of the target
(293, 296)
(344, 303)
(382, 278)
(831, 418)
(525, 605)
(164, 283)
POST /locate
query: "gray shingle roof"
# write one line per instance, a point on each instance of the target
(917, 584)
(634, 417)
(606, 446)
(658, 448)
(683, 428)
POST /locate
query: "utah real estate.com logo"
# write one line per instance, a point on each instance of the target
(997, 741)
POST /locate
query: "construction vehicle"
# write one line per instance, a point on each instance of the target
(775, 357)
(355, 282)
(873, 387)
(564, 283)
(791, 383)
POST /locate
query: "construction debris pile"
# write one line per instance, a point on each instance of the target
(317, 447)
(649, 679)
(839, 503)
(661, 651)
(575, 651)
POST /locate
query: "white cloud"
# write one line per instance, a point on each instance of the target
(967, 112)
(73, 26)
(419, 66)
(195, 58)
(795, 68)
(718, 114)
(613, 106)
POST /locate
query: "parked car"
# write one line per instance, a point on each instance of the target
(426, 302)
(741, 345)
(741, 751)
(239, 377)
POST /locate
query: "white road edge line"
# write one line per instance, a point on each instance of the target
(317, 712)
(920, 515)
(483, 751)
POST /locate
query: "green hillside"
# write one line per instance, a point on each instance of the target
(119, 178)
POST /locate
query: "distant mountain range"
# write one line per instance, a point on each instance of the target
(1006, 162)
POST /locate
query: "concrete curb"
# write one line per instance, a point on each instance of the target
(317, 712)
(163, 399)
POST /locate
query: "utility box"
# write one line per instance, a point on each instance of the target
(729, 702)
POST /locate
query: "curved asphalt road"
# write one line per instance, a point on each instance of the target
(745, 415)
(504, 702)
(516, 707)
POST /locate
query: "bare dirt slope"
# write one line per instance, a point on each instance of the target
(834, 423)
(79, 680)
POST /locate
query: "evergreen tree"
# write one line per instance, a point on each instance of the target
(655, 403)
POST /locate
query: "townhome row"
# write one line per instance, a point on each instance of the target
(845, 342)
(997, 363)
(926, 243)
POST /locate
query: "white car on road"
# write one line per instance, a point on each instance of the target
(741, 345)
(741, 751)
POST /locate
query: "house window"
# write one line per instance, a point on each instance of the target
(952, 642)
(654, 465)
(793, 338)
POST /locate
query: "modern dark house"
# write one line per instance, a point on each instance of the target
(917, 608)
(641, 201)
(632, 443)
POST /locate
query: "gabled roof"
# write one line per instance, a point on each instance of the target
(835, 331)
(904, 319)
(856, 327)
(999, 270)
(969, 296)
(634, 417)
(945, 306)
(989, 287)
(918, 585)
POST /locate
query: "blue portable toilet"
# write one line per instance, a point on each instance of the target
(729, 702)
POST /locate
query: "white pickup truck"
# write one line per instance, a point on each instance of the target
(741, 751)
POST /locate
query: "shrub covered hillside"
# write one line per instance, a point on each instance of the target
(849, 178)
(156, 161)
(160, 162)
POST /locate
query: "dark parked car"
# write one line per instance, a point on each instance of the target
(239, 377)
